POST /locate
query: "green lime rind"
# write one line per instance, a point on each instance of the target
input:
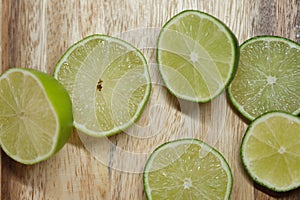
(60, 100)
(177, 143)
(60, 103)
(234, 62)
(247, 166)
(235, 102)
(70, 84)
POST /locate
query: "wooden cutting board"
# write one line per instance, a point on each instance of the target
(34, 34)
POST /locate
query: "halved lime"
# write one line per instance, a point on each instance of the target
(35, 115)
(108, 82)
(197, 55)
(270, 151)
(187, 169)
(268, 77)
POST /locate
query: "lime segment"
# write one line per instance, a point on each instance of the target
(197, 55)
(108, 82)
(34, 122)
(187, 169)
(267, 78)
(270, 151)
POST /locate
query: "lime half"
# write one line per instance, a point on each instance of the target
(270, 151)
(268, 77)
(197, 55)
(108, 82)
(35, 115)
(187, 169)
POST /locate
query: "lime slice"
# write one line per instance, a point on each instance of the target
(187, 169)
(270, 151)
(35, 115)
(108, 81)
(267, 78)
(197, 56)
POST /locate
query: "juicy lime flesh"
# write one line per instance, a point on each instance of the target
(188, 171)
(267, 78)
(108, 84)
(271, 152)
(26, 130)
(196, 55)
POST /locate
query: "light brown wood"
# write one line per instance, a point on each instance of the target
(34, 34)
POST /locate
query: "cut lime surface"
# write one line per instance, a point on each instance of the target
(35, 115)
(187, 169)
(270, 151)
(108, 81)
(268, 77)
(197, 56)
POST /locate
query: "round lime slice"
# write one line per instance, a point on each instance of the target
(108, 82)
(187, 169)
(35, 115)
(270, 151)
(197, 55)
(268, 77)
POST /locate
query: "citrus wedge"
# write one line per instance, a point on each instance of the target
(197, 55)
(35, 115)
(268, 77)
(270, 151)
(108, 82)
(187, 169)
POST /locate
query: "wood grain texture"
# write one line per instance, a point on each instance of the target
(34, 34)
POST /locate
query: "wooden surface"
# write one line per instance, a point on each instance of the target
(35, 34)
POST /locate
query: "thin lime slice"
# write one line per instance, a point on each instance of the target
(268, 77)
(108, 82)
(197, 56)
(35, 115)
(270, 151)
(187, 169)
